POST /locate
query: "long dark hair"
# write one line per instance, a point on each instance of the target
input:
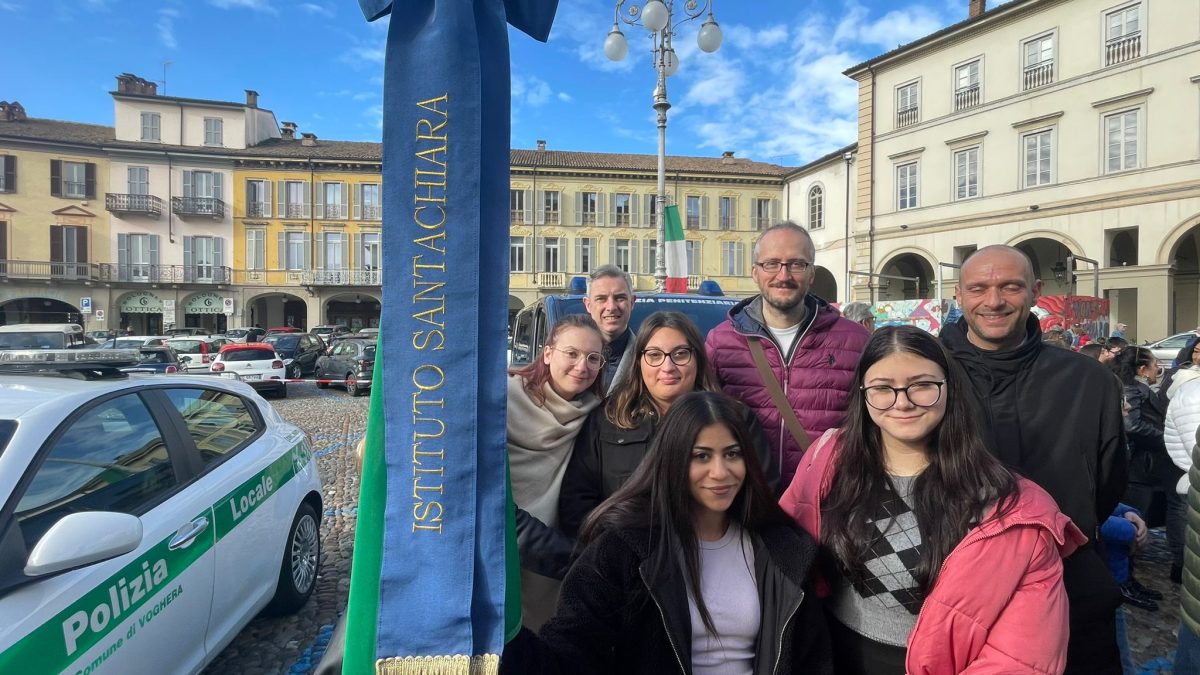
(1129, 360)
(658, 497)
(537, 374)
(631, 401)
(950, 496)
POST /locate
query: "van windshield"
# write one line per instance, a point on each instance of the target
(185, 346)
(40, 340)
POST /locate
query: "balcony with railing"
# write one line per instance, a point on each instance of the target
(588, 218)
(967, 97)
(760, 223)
(694, 282)
(258, 210)
(294, 210)
(1122, 49)
(343, 277)
(693, 221)
(139, 273)
(370, 212)
(551, 217)
(206, 207)
(550, 280)
(907, 117)
(145, 205)
(517, 217)
(623, 219)
(1038, 75)
(336, 211)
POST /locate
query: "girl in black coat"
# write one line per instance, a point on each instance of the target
(691, 565)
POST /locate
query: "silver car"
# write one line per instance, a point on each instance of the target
(1166, 349)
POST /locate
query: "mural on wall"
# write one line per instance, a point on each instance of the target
(924, 314)
(1066, 310)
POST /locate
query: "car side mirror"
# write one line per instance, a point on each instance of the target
(85, 538)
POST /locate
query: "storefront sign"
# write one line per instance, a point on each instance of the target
(204, 303)
(140, 302)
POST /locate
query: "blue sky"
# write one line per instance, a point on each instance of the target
(773, 92)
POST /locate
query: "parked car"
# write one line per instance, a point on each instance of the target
(147, 519)
(187, 330)
(298, 351)
(245, 334)
(283, 329)
(328, 331)
(368, 332)
(196, 353)
(134, 341)
(43, 336)
(256, 364)
(1166, 349)
(100, 335)
(156, 359)
(350, 363)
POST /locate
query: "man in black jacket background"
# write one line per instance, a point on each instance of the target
(1055, 417)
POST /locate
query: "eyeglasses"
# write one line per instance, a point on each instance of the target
(920, 394)
(593, 360)
(680, 356)
(793, 266)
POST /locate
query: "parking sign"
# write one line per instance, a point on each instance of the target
(85, 305)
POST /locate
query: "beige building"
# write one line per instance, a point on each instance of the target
(1069, 128)
(815, 197)
(574, 211)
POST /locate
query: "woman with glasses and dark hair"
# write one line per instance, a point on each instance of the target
(671, 362)
(690, 567)
(548, 401)
(935, 557)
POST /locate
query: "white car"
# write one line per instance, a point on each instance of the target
(256, 364)
(145, 520)
(1166, 349)
(135, 341)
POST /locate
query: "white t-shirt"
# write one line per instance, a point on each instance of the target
(731, 595)
(784, 337)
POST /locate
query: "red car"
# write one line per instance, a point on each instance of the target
(283, 329)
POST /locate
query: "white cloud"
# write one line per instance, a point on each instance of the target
(366, 95)
(530, 91)
(312, 8)
(375, 113)
(565, 97)
(263, 6)
(581, 28)
(166, 27)
(9, 6)
(718, 82)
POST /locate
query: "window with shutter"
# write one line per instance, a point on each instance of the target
(89, 180)
(3, 245)
(56, 187)
(8, 174)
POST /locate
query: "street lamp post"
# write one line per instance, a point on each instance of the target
(661, 17)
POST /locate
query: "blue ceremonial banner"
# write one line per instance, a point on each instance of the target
(428, 584)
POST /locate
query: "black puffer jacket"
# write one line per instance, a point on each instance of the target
(1144, 423)
(606, 455)
(610, 620)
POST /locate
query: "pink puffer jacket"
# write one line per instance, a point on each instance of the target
(817, 381)
(998, 605)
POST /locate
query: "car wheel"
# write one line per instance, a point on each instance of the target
(319, 376)
(281, 392)
(293, 371)
(352, 387)
(301, 561)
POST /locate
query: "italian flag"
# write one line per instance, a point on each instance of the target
(675, 252)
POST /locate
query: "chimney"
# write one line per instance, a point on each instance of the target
(128, 83)
(288, 132)
(11, 112)
(251, 98)
(541, 145)
(727, 157)
(309, 139)
(977, 7)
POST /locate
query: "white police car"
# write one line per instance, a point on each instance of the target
(144, 520)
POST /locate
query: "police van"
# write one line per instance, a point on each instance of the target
(43, 336)
(144, 520)
(706, 308)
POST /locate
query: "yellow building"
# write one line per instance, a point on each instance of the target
(54, 232)
(307, 232)
(574, 211)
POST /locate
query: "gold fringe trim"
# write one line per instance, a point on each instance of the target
(485, 664)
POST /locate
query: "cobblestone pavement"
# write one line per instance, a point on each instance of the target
(293, 644)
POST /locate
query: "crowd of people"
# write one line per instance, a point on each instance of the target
(799, 492)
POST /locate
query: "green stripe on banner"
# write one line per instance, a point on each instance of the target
(362, 609)
(55, 644)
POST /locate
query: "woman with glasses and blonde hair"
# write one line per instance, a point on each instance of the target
(935, 558)
(671, 361)
(548, 401)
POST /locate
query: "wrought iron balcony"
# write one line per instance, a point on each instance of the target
(147, 205)
(258, 210)
(368, 212)
(140, 273)
(45, 270)
(208, 207)
(1038, 75)
(331, 211)
(343, 277)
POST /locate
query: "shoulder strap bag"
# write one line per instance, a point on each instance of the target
(777, 396)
